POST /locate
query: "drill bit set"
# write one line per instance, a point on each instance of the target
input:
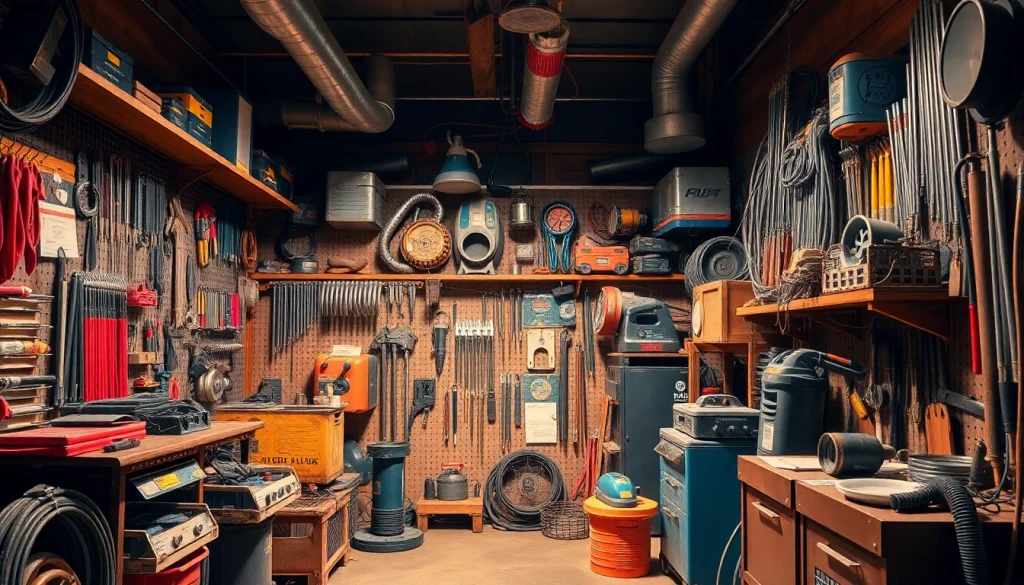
(97, 320)
(474, 351)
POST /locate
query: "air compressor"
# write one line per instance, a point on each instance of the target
(793, 395)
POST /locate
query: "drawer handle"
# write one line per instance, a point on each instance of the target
(670, 513)
(764, 511)
(197, 530)
(176, 540)
(841, 559)
(671, 483)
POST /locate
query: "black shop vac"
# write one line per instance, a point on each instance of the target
(794, 392)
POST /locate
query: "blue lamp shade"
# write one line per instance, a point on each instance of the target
(458, 175)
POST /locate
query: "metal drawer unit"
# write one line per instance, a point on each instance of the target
(355, 201)
(645, 388)
(152, 548)
(700, 487)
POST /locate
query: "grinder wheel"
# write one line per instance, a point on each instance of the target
(609, 311)
(426, 244)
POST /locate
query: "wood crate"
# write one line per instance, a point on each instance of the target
(713, 314)
(311, 536)
(885, 266)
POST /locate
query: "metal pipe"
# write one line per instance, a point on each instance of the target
(545, 55)
(445, 55)
(308, 39)
(675, 127)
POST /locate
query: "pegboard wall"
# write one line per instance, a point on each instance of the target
(72, 132)
(295, 364)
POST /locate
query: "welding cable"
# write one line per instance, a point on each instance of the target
(719, 258)
(951, 494)
(52, 97)
(249, 249)
(1018, 306)
(500, 510)
(725, 551)
(78, 533)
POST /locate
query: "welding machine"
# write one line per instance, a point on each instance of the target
(353, 378)
(640, 324)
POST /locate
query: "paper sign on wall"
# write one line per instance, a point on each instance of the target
(541, 423)
(57, 230)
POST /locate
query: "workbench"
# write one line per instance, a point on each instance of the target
(311, 536)
(104, 476)
(798, 529)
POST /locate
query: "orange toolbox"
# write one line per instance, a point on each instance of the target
(353, 378)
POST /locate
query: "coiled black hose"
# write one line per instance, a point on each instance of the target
(72, 527)
(719, 258)
(52, 97)
(500, 511)
(951, 494)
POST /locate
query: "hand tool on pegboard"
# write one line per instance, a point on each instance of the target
(563, 386)
(446, 414)
(424, 397)
(205, 228)
(439, 339)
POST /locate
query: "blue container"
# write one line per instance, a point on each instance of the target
(700, 505)
(109, 60)
(860, 90)
(387, 514)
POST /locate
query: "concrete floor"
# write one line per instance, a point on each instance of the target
(456, 555)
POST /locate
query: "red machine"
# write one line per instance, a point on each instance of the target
(140, 295)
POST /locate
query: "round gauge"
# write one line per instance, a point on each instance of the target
(540, 389)
(559, 219)
(697, 317)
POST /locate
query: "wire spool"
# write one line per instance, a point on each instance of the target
(426, 245)
(609, 311)
(210, 387)
(297, 242)
(924, 468)
(721, 258)
(564, 521)
(623, 222)
(518, 487)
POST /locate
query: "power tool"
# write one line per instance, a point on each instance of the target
(640, 324)
(616, 490)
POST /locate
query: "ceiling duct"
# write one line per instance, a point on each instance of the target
(528, 16)
(675, 126)
(545, 56)
(305, 35)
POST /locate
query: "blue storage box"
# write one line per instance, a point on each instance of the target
(109, 60)
(232, 134)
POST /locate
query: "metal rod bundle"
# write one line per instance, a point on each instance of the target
(294, 310)
(96, 338)
(474, 350)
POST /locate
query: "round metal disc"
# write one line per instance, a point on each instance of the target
(409, 539)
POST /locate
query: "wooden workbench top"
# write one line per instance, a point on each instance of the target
(875, 528)
(777, 484)
(153, 447)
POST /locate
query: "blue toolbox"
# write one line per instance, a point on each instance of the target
(198, 112)
(700, 505)
(232, 136)
(645, 389)
(174, 110)
(109, 60)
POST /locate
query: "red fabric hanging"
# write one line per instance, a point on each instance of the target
(21, 189)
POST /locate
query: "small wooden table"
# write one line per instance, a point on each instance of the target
(104, 476)
(323, 543)
(473, 507)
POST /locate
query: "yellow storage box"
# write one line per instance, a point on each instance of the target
(307, 438)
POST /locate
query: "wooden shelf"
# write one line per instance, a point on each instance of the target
(103, 100)
(924, 309)
(477, 278)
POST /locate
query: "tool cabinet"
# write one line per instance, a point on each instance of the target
(312, 536)
(699, 492)
(645, 388)
(149, 552)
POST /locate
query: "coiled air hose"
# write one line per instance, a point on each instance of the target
(720, 258)
(72, 526)
(52, 97)
(391, 227)
(520, 467)
(953, 495)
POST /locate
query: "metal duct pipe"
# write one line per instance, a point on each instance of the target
(675, 127)
(306, 36)
(628, 167)
(545, 55)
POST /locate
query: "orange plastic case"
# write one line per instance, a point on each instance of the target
(357, 386)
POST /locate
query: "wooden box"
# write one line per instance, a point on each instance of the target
(252, 503)
(308, 439)
(147, 554)
(713, 316)
(311, 536)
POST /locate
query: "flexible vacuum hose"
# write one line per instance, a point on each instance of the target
(953, 495)
(384, 241)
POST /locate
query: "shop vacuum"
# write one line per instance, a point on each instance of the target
(793, 397)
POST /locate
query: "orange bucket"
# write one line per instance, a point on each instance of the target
(620, 538)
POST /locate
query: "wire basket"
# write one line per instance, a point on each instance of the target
(564, 521)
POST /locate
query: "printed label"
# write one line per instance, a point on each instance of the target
(836, 89)
(768, 436)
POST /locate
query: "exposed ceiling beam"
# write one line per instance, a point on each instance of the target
(444, 55)
(480, 35)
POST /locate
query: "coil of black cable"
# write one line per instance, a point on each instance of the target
(64, 522)
(500, 510)
(52, 97)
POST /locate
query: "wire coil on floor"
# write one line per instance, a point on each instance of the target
(68, 523)
(518, 487)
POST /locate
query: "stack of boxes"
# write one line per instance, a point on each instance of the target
(107, 59)
(189, 111)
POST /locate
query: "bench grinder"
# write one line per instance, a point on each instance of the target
(640, 324)
(479, 237)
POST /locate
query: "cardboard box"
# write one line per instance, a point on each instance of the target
(109, 60)
(232, 135)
